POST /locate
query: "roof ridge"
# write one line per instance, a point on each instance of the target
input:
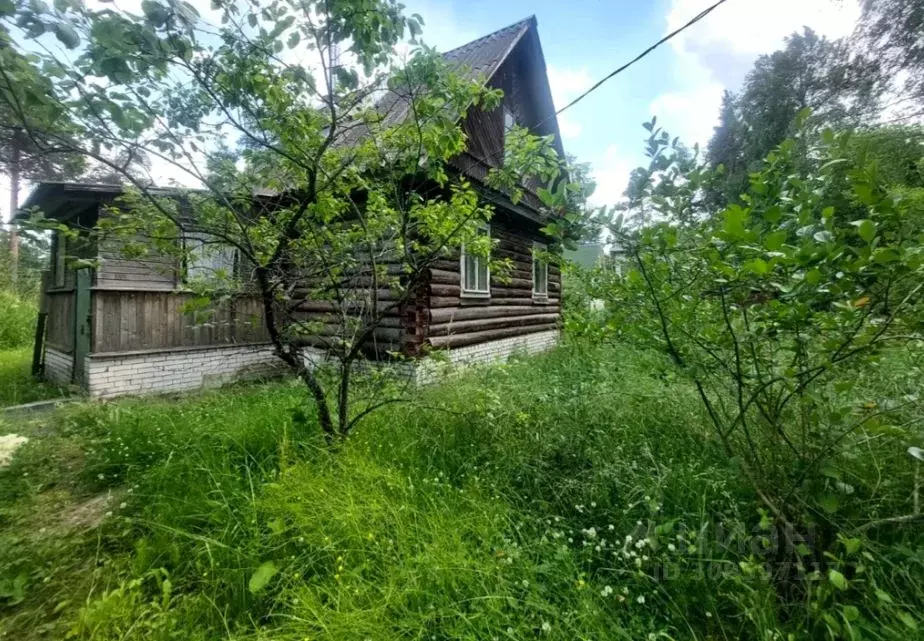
(519, 23)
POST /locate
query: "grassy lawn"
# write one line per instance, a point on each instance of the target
(16, 382)
(577, 495)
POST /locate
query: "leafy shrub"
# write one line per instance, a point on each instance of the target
(17, 320)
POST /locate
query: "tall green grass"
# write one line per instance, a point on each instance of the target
(17, 385)
(574, 495)
(17, 320)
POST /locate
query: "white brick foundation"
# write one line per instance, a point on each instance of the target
(59, 366)
(177, 370)
(490, 352)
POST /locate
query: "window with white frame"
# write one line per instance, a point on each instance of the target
(207, 258)
(476, 275)
(60, 255)
(540, 271)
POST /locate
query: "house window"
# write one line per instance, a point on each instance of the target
(509, 123)
(476, 276)
(540, 272)
(208, 258)
(60, 264)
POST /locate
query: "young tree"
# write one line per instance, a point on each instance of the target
(767, 307)
(342, 196)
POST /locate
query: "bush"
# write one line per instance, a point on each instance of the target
(17, 320)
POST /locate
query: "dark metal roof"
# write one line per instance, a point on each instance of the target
(58, 199)
(485, 55)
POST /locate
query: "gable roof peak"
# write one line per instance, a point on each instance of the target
(485, 54)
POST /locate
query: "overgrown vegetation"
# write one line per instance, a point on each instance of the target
(17, 385)
(579, 495)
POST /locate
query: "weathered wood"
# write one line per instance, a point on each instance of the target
(126, 321)
(461, 340)
(445, 276)
(450, 314)
(60, 324)
(451, 301)
(463, 327)
(445, 290)
(388, 307)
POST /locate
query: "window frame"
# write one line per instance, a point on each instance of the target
(538, 262)
(466, 292)
(206, 240)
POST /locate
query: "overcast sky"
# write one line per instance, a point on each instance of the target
(681, 83)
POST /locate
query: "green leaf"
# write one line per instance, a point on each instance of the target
(851, 613)
(866, 229)
(734, 221)
(908, 620)
(883, 596)
(758, 266)
(837, 579)
(262, 576)
(823, 236)
(66, 34)
(775, 240)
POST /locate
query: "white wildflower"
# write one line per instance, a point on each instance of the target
(546, 627)
(640, 598)
(606, 591)
(671, 547)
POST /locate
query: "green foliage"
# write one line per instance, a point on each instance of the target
(772, 309)
(315, 190)
(568, 496)
(839, 86)
(17, 321)
(17, 385)
(890, 30)
(896, 151)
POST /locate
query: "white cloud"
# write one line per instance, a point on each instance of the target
(692, 114)
(758, 26)
(717, 52)
(566, 85)
(612, 177)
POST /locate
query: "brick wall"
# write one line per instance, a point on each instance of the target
(177, 370)
(58, 366)
(489, 352)
(183, 370)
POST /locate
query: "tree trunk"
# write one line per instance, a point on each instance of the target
(15, 172)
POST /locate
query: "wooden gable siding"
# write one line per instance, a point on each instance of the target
(485, 129)
(151, 272)
(452, 320)
(140, 321)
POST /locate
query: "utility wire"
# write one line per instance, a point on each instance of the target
(702, 14)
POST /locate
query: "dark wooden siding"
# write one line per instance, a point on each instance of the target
(133, 321)
(60, 328)
(453, 320)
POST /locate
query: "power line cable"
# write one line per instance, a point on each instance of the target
(702, 14)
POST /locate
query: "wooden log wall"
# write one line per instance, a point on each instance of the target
(131, 321)
(452, 320)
